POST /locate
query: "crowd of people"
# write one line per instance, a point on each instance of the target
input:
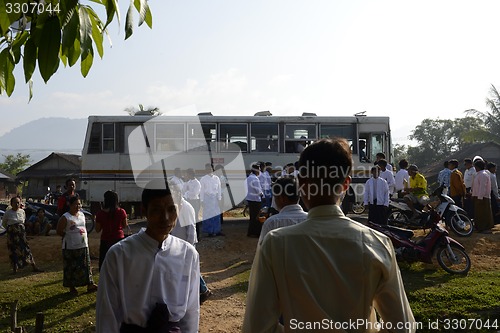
(150, 281)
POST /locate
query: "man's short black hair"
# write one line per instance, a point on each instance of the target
(154, 189)
(480, 164)
(382, 163)
(403, 164)
(453, 162)
(286, 186)
(327, 160)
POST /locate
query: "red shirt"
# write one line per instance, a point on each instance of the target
(111, 225)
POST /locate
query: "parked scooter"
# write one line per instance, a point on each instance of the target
(450, 254)
(453, 216)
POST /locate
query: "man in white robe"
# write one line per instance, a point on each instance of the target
(147, 269)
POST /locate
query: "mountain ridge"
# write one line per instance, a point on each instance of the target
(39, 138)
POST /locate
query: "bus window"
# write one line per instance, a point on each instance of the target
(233, 133)
(299, 136)
(200, 136)
(376, 145)
(343, 131)
(108, 138)
(169, 137)
(373, 143)
(95, 139)
(264, 137)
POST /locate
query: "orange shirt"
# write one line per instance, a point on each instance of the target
(457, 186)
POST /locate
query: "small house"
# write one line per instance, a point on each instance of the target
(53, 170)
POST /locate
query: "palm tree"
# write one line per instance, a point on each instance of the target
(490, 118)
(150, 111)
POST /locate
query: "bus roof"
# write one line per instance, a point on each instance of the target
(232, 119)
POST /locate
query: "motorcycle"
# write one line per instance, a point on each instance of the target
(450, 254)
(455, 218)
(51, 214)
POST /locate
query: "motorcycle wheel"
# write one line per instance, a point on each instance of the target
(358, 208)
(397, 218)
(89, 222)
(454, 260)
(460, 224)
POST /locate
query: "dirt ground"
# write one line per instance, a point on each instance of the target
(224, 258)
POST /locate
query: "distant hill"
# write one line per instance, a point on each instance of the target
(40, 137)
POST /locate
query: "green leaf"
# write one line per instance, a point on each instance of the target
(7, 79)
(140, 5)
(63, 57)
(37, 30)
(48, 51)
(29, 59)
(17, 44)
(4, 19)
(86, 62)
(74, 53)
(70, 31)
(96, 31)
(85, 29)
(111, 10)
(129, 22)
(67, 10)
(149, 16)
(3, 60)
(30, 85)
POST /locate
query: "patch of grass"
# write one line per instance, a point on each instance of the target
(43, 292)
(434, 295)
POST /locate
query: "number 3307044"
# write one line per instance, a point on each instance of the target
(31, 8)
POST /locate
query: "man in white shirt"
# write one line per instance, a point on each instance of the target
(386, 174)
(191, 190)
(376, 197)
(402, 178)
(210, 196)
(149, 271)
(444, 177)
(329, 268)
(177, 180)
(381, 156)
(286, 198)
(265, 183)
(254, 198)
(185, 229)
(469, 173)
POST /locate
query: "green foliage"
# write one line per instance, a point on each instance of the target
(48, 32)
(15, 164)
(439, 138)
(491, 118)
(150, 111)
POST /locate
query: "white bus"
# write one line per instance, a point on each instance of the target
(118, 149)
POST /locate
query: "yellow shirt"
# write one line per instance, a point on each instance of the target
(419, 181)
(324, 272)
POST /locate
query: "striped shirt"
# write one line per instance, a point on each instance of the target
(288, 215)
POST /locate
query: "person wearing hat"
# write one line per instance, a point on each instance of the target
(417, 192)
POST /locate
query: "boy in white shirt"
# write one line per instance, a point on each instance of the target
(376, 197)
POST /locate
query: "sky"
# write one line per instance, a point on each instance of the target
(409, 60)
